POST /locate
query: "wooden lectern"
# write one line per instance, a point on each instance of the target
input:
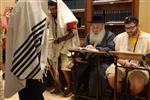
(129, 56)
(99, 53)
(116, 55)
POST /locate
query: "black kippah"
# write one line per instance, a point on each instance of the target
(51, 2)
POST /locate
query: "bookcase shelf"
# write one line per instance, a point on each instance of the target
(78, 8)
(82, 10)
(81, 31)
(79, 13)
(114, 12)
(103, 2)
(113, 23)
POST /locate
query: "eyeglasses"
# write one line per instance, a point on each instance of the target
(130, 27)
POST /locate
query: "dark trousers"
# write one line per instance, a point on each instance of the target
(33, 91)
(3, 55)
(86, 75)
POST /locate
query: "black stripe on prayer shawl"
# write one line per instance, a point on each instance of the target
(29, 54)
(26, 63)
(38, 41)
(25, 58)
(25, 52)
(15, 69)
(24, 69)
(38, 24)
(34, 72)
(25, 48)
(30, 36)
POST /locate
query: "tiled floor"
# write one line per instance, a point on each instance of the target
(47, 96)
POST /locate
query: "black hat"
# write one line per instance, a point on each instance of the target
(97, 19)
(51, 2)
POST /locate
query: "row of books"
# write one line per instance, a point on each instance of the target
(113, 14)
(81, 21)
(75, 4)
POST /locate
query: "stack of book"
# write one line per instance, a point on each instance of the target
(113, 14)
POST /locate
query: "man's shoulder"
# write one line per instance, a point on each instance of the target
(145, 34)
(109, 33)
(122, 34)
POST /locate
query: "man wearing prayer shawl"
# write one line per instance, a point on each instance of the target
(26, 50)
(63, 35)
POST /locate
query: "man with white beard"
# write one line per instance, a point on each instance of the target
(98, 39)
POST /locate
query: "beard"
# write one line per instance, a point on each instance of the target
(96, 38)
(133, 33)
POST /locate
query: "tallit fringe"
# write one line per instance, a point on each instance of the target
(44, 74)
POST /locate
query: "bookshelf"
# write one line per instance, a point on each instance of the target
(114, 12)
(78, 8)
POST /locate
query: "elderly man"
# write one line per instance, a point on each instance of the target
(63, 35)
(98, 39)
(133, 40)
(26, 50)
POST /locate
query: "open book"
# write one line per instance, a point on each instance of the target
(87, 49)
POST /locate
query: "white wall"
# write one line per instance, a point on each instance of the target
(144, 15)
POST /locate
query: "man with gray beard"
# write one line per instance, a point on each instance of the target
(86, 72)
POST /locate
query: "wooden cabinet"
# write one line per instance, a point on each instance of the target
(80, 14)
(114, 12)
(78, 8)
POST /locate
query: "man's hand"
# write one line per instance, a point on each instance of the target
(130, 65)
(58, 40)
(68, 36)
(74, 31)
(79, 59)
(90, 47)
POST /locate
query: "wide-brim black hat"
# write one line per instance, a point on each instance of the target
(97, 19)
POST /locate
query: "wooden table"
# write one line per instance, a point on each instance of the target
(117, 55)
(129, 56)
(99, 53)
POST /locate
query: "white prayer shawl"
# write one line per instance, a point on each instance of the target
(122, 43)
(26, 51)
(64, 16)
